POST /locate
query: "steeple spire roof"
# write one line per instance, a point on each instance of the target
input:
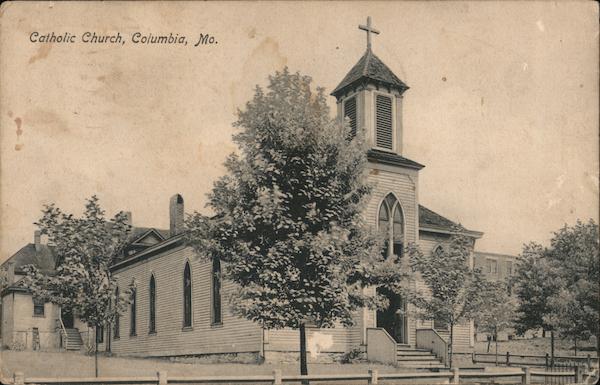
(370, 69)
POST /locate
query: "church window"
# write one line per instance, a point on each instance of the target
(117, 326)
(391, 225)
(133, 308)
(216, 291)
(350, 113)
(187, 296)
(38, 307)
(152, 305)
(383, 122)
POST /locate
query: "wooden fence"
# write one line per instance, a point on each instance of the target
(454, 376)
(509, 359)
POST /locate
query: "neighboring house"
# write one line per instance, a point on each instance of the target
(27, 324)
(499, 268)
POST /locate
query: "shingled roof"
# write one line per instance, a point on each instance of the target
(370, 67)
(43, 258)
(385, 157)
(430, 220)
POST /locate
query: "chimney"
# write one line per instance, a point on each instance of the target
(10, 273)
(176, 214)
(37, 240)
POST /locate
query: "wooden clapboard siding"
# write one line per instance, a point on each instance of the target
(463, 331)
(344, 338)
(232, 336)
(403, 183)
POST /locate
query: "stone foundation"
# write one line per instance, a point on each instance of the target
(276, 357)
(215, 358)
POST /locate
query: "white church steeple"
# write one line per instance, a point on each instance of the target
(370, 95)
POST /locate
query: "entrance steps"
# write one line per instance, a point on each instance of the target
(413, 358)
(73, 339)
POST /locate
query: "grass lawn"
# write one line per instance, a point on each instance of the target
(537, 346)
(68, 364)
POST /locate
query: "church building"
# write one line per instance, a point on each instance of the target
(178, 303)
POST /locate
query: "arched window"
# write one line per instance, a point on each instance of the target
(216, 291)
(133, 313)
(116, 326)
(390, 222)
(438, 251)
(152, 305)
(187, 296)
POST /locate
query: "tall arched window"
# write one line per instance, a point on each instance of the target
(133, 313)
(216, 291)
(152, 303)
(390, 222)
(187, 296)
(117, 325)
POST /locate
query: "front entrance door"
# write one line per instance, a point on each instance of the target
(67, 318)
(393, 319)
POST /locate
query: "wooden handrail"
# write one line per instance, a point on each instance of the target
(441, 353)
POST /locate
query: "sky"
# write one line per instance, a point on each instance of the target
(502, 107)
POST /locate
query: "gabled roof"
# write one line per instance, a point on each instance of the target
(43, 258)
(429, 220)
(371, 68)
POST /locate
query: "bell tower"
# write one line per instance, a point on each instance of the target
(370, 95)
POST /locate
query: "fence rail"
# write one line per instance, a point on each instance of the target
(546, 361)
(276, 378)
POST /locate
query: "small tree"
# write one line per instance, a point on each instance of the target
(573, 255)
(454, 288)
(85, 249)
(288, 218)
(568, 317)
(535, 282)
(496, 311)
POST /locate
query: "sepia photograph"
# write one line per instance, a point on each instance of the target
(344, 192)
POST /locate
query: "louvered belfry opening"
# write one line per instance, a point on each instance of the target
(383, 122)
(350, 113)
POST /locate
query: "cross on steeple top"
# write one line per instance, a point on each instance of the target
(369, 31)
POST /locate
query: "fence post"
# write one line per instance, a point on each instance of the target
(547, 359)
(277, 377)
(19, 378)
(577, 374)
(162, 378)
(589, 362)
(507, 358)
(526, 377)
(455, 376)
(374, 376)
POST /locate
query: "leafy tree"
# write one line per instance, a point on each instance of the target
(496, 311)
(288, 221)
(85, 248)
(558, 286)
(535, 282)
(568, 316)
(573, 254)
(455, 290)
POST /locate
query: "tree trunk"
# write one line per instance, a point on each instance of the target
(496, 338)
(303, 366)
(575, 346)
(552, 348)
(451, 342)
(489, 339)
(96, 352)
